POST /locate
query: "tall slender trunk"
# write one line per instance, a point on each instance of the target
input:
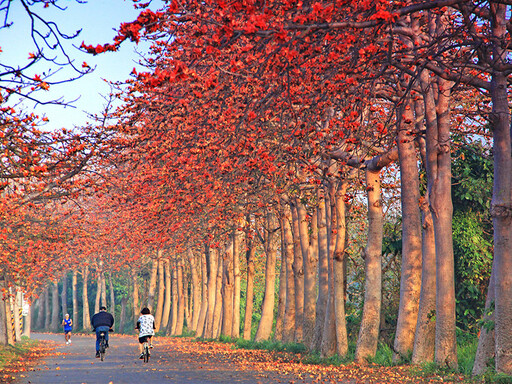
(112, 295)
(212, 265)
(152, 282)
(47, 308)
(161, 295)
(369, 330)
(298, 274)
(3, 317)
(64, 293)
(40, 310)
(181, 297)
(410, 275)
(74, 290)
(217, 313)
(249, 302)
(136, 309)
(289, 314)
(196, 290)
(281, 293)
(98, 294)
(27, 323)
(168, 293)
(174, 307)
(309, 246)
(339, 270)
(16, 309)
(267, 308)
(9, 320)
(55, 323)
(122, 315)
(86, 319)
(104, 301)
(237, 282)
(204, 294)
(227, 289)
(323, 272)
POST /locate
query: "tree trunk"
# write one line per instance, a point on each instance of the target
(181, 298)
(212, 265)
(9, 320)
(16, 306)
(64, 294)
(40, 310)
(27, 326)
(98, 294)
(122, 315)
(249, 293)
(486, 341)
(47, 309)
(104, 291)
(410, 275)
(217, 313)
(289, 313)
(161, 294)
(196, 290)
(136, 309)
(55, 323)
(74, 290)
(174, 307)
(424, 342)
(237, 282)
(112, 295)
(339, 270)
(323, 273)
(267, 308)
(3, 318)
(204, 294)
(281, 294)
(86, 319)
(168, 294)
(227, 289)
(152, 284)
(298, 274)
(309, 246)
(369, 330)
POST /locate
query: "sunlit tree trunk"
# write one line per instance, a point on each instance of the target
(217, 313)
(27, 323)
(249, 303)
(339, 270)
(168, 292)
(298, 274)
(236, 284)
(289, 314)
(486, 341)
(47, 308)
(122, 315)
(369, 329)
(281, 293)
(74, 290)
(267, 308)
(64, 294)
(104, 290)
(112, 295)
(211, 257)
(181, 297)
(16, 307)
(55, 323)
(174, 307)
(161, 293)
(152, 285)
(86, 316)
(204, 295)
(98, 294)
(3, 317)
(40, 310)
(323, 272)
(9, 320)
(136, 309)
(196, 289)
(309, 246)
(227, 289)
(410, 275)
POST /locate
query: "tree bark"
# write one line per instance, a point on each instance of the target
(136, 309)
(152, 284)
(98, 293)
(410, 275)
(323, 272)
(174, 307)
(3, 318)
(181, 298)
(267, 308)
(217, 313)
(249, 303)
(104, 301)
(47, 309)
(196, 290)
(227, 289)
(204, 294)
(281, 294)
(86, 316)
(161, 294)
(122, 315)
(298, 274)
(369, 330)
(16, 306)
(211, 257)
(40, 311)
(168, 294)
(9, 320)
(112, 296)
(289, 313)
(237, 282)
(74, 290)
(64, 293)
(55, 323)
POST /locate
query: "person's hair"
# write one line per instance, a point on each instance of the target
(103, 308)
(145, 311)
(67, 314)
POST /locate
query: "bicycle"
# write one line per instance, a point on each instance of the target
(103, 345)
(145, 351)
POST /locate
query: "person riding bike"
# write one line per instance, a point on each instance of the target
(102, 322)
(146, 327)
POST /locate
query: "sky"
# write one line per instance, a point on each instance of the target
(97, 19)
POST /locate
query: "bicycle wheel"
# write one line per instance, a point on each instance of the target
(102, 348)
(146, 353)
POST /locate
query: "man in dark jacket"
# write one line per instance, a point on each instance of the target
(102, 322)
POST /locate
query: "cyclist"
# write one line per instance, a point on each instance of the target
(102, 322)
(67, 323)
(146, 327)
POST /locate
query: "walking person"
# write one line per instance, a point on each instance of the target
(146, 327)
(67, 323)
(102, 322)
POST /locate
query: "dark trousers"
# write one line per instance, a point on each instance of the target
(101, 328)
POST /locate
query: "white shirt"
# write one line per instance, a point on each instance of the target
(146, 325)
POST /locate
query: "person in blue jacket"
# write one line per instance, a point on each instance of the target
(67, 323)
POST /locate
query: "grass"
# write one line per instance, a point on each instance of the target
(10, 353)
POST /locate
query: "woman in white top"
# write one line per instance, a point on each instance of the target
(146, 327)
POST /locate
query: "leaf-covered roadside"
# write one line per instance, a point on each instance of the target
(17, 359)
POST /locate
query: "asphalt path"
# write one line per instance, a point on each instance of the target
(76, 363)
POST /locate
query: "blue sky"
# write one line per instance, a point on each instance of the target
(97, 19)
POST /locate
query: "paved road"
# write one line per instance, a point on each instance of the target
(170, 363)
